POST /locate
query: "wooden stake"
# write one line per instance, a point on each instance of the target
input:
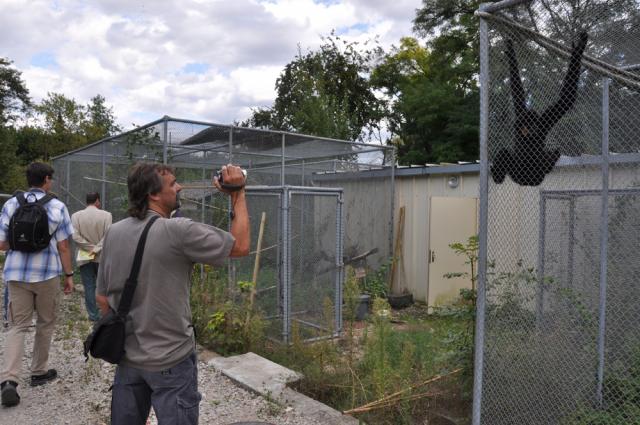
(256, 264)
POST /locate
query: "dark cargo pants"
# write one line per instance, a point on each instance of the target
(173, 393)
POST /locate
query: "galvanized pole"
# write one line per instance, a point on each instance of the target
(572, 237)
(393, 203)
(542, 225)
(67, 182)
(232, 266)
(282, 174)
(484, 208)
(204, 195)
(339, 276)
(286, 258)
(103, 189)
(165, 138)
(604, 238)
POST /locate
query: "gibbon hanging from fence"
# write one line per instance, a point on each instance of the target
(528, 161)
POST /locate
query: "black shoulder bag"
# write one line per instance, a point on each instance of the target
(106, 341)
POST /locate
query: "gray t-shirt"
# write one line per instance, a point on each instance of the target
(159, 332)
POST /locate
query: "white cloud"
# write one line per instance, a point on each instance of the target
(134, 52)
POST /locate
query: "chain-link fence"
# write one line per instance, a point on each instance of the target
(297, 182)
(558, 307)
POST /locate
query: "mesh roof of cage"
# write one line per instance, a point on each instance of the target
(271, 157)
(560, 204)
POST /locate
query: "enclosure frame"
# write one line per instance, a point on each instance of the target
(603, 162)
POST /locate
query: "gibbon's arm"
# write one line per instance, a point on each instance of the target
(517, 92)
(569, 90)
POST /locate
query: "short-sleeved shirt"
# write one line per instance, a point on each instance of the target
(159, 333)
(42, 265)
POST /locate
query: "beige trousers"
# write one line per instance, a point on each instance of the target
(24, 297)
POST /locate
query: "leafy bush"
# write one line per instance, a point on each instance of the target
(375, 283)
(223, 317)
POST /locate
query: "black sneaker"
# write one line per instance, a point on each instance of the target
(44, 378)
(10, 395)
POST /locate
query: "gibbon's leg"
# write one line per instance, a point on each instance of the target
(500, 165)
(569, 90)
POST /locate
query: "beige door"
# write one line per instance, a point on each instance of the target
(450, 220)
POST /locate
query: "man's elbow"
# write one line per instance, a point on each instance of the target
(63, 246)
(240, 249)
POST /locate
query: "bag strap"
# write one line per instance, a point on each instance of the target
(46, 198)
(132, 280)
(19, 194)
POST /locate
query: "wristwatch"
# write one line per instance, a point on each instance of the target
(68, 274)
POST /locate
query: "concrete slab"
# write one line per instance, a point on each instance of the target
(270, 380)
(256, 373)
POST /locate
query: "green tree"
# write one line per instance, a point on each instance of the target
(64, 119)
(14, 95)
(432, 105)
(32, 143)
(326, 93)
(14, 100)
(100, 121)
(11, 169)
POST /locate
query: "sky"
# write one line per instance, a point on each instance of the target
(210, 60)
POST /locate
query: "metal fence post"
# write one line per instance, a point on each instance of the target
(484, 207)
(165, 138)
(103, 188)
(604, 236)
(542, 225)
(67, 182)
(339, 265)
(282, 164)
(286, 257)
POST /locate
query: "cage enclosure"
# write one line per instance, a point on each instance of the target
(323, 201)
(558, 302)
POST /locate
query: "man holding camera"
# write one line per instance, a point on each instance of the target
(159, 367)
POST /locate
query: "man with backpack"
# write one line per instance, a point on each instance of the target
(34, 230)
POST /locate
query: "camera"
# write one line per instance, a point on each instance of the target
(231, 187)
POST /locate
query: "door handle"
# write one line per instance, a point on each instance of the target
(432, 256)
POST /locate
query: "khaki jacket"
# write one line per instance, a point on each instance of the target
(90, 225)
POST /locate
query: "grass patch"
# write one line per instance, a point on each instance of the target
(389, 357)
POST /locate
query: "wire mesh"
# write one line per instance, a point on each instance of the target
(301, 257)
(315, 260)
(559, 344)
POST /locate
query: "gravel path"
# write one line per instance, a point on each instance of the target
(81, 393)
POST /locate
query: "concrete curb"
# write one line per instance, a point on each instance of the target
(269, 379)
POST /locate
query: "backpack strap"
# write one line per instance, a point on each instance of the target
(19, 195)
(132, 280)
(46, 198)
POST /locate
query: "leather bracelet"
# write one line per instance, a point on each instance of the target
(68, 274)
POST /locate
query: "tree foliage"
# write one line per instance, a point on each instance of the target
(61, 124)
(14, 95)
(325, 92)
(100, 120)
(432, 106)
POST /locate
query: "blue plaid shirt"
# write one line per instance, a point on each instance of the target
(41, 265)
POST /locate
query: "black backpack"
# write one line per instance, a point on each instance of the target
(29, 224)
